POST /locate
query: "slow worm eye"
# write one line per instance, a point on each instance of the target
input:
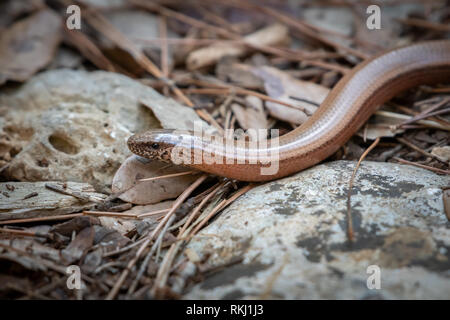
(155, 145)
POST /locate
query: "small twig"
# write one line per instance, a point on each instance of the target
(110, 214)
(164, 269)
(271, 281)
(301, 26)
(164, 50)
(144, 264)
(424, 114)
(168, 176)
(23, 233)
(441, 171)
(39, 219)
(76, 194)
(44, 262)
(427, 123)
(427, 154)
(149, 214)
(198, 208)
(228, 90)
(144, 245)
(349, 194)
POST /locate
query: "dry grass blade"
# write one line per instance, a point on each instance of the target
(349, 194)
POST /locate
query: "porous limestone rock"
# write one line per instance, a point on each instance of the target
(73, 125)
(291, 237)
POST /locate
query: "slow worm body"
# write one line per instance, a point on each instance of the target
(347, 107)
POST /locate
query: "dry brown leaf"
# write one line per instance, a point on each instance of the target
(282, 86)
(238, 74)
(136, 168)
(269, 36)
(29, 45)
(380, 126)
(76, 224)
(252, 116)
(442, 152)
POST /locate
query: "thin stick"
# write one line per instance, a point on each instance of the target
(349, 205)
(88, 49)
(425, 113)
(164, 50)
(440, 27)
(39, 219)
(102, 25)
(22, 233)
(76, 194)
(197, 209)
(148, 256)
(224, 203)
(149, 214)
(168, 176)
(110, 214)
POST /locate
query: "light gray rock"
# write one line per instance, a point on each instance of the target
(20, 200)
(291, 236)
(73, 125)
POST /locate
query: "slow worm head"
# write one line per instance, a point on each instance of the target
(347, 107)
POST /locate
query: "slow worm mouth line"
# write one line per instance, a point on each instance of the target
(347, 107)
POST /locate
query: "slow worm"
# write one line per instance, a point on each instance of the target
(347, 107)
